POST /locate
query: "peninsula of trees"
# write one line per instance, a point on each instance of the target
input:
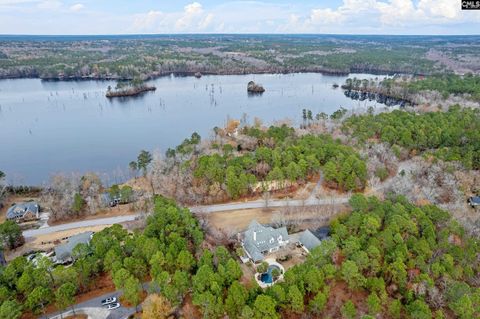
(131, 88)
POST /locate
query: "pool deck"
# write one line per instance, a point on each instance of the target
(270, 262)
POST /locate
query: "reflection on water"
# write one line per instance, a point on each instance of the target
(49, 127)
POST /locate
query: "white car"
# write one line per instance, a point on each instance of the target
(113, 306)
(109, 300)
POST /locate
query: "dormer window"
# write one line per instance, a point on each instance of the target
(272, 240)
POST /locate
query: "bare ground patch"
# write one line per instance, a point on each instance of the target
(49, 241)
(120, 210)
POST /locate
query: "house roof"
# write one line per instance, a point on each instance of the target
(322, 232)
(258, 238)
(309, 240)
(64, 251)
(475, 200)
(20, 209)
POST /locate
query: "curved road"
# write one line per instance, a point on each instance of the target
(94, 310)
(311, 201)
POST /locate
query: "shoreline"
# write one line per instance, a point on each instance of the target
(158, 75)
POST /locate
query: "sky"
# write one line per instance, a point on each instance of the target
(85, 17)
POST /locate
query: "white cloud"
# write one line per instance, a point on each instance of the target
(441, 8)
(325, 16)
(373, 16)
(245, 16)
(206, 22)
(192, 12)
(193, 18)
(148, 21)
(50, 4)
(77, 7)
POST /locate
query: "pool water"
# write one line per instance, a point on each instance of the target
(267, 277)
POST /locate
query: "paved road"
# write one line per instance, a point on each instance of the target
(271, 203)
(310, 201)
(84, 223)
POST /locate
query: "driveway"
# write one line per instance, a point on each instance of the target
(94, 310)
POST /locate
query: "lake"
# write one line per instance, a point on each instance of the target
(50, 127)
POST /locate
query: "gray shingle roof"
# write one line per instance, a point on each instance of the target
(309, 240)
(20, 209)
(322, 232)
(64, 252)
(258, 239)
(475, 200)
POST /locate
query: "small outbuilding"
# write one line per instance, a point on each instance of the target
(311, 239)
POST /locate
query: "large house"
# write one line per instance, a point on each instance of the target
(23, 211)
(63, 253)
(259, 240)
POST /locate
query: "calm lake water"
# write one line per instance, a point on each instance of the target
(50, 127)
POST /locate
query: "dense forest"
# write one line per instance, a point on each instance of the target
(386, 257)
(452, 136)
(448, 84)
(126, 57)
(279, 156)
(169, 241)
(411, 87)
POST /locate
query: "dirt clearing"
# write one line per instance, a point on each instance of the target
(304, 217)
(48, 241)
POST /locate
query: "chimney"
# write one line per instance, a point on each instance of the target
(254, 235)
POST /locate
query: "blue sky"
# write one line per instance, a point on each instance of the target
(241, 16)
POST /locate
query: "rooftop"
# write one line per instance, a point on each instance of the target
(475, 200)
(64, 252)
(18, 210)
(309, 240)
(258, 239)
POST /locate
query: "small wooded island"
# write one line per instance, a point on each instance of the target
(130, 88)
(253, 87)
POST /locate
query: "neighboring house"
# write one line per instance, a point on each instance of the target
(108, 200)
(474, 201)
(259, 240)
(309, 240)
(23, 211)
(112, 201)
(63, 252)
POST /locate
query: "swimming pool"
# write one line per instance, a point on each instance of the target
(267, 277)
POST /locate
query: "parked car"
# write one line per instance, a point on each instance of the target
(113, 306)
(109, 300)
